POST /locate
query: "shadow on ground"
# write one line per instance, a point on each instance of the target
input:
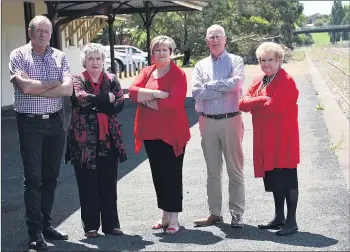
(104, 243)
(303, 239)
(13, 227)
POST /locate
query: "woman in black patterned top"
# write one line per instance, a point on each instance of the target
(94, 142)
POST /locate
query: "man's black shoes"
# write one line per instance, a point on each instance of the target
(37, 241)
(51, 233)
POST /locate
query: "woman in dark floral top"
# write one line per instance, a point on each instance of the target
(94, 142)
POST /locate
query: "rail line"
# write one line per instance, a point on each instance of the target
(347, 74)
(330, 81)
(336, 53)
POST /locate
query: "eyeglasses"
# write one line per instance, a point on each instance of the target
(215, 37)
(268, 61)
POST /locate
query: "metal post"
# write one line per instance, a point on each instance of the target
(111, 37)
(51, 16)
(148, 24)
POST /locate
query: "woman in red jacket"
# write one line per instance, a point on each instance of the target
(272, 101)
(161, 123)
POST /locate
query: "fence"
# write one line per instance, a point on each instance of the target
(133, 63)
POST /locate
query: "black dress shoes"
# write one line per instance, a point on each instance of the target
(37, 241)
(287, 230)
(272, 225)
(51, 233)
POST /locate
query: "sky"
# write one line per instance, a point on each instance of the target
(322, 7)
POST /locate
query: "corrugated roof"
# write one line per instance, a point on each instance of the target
(66, 8)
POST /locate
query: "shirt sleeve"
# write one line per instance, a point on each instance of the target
(177, 94)
(250, 100)
(65, 72)
(83, 98)
(284, 95)
(140, 82)
(15, 65)
(118, 104)
(232, 84)
(199, 92)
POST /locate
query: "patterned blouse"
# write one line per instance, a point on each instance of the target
(83, 130)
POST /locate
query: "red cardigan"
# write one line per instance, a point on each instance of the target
(275, 123)
(170, 122)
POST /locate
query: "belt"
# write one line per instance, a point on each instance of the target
(36, 116)
(222, 116)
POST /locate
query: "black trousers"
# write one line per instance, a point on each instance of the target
(98, 194)
(166, 173)
(41, 144)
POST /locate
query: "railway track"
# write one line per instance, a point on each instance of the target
(331, 63)
(336, 53)
(335, 75)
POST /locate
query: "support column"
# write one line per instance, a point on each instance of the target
(51, 15)
(111, 36)
(148, 25)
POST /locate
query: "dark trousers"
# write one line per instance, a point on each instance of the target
(166, 173)
(98, 194)
(41, 144)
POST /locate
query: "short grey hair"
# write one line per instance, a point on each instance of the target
(91, 48)
(270, 47)
(162, 40)
(216, 27)
(37, 20)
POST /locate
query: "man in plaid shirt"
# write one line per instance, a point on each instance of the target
(40, 76)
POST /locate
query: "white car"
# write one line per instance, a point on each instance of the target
(121, 60)
(135, 50)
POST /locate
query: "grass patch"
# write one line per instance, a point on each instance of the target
(338, 145)
(298, 55)
(320, 106)
(321, 39)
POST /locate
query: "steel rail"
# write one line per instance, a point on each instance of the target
(342, 56)
(341, 95)
(333, 65)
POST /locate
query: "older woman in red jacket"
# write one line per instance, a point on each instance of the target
(272, 101)
(161, 123)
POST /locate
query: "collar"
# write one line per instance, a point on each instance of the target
(220, 57)
(48, 50)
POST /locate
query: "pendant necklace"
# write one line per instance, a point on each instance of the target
(267, 80)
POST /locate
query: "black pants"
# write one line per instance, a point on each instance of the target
(41, 144)
(166, 173)
(98, 194)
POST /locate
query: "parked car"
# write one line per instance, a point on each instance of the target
(120, 58)
(108, 65)
(135, 50)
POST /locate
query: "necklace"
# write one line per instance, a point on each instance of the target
(268, 79)
(161, 72)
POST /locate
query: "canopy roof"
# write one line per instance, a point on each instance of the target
(68, 8)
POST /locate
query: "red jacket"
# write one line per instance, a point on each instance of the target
(275, 123)
(170, 122)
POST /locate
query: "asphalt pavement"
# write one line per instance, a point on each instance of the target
(322, 215)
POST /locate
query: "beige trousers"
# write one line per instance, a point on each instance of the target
(219, 137)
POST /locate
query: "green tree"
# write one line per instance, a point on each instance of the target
(337, 16)
(346, 20)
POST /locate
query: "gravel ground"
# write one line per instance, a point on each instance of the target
(323, 211)
(339, 79)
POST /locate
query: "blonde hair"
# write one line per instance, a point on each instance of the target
(162, 39)
(270, 47)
